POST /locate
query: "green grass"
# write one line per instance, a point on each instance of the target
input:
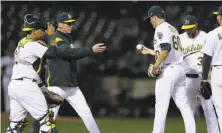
(114, 125)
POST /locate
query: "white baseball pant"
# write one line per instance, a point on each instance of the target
(216, 85)
(26, 96)
(192, 85)
(76, 99)
(172, 83)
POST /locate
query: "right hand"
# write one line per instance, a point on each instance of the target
(50, 29)
(98, 48)
(146, 50)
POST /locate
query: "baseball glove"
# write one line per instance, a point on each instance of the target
(151, 72)
(205, 89)
(52, 98)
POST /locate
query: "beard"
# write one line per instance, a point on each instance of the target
(191, 35)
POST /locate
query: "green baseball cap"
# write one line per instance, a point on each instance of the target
(155, 10)
(189, 22)
(65, 18)
(219, 11)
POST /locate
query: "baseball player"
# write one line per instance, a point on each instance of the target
(62, 72)
(192, 42)
(24, 89)
(7, 62)
(212, 51)
(168, 71)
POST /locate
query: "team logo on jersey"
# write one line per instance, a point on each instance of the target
(159, 35)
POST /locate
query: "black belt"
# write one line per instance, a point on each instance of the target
(216, 65)
(192, 75)
(33, 80)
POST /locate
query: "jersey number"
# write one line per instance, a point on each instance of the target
(200, 61)
(176, 43)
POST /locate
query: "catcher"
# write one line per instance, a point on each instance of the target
(52, 98)
(24, 89)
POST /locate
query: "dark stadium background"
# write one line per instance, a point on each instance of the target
(107, 80)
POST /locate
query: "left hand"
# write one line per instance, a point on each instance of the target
(205, 89)
(98, 48)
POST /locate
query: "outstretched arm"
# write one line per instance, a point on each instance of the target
(66, 52)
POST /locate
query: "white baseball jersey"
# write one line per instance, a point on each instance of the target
(26, 53)
(7, 61)
(192, 52)
(213, 46)
(166, 33)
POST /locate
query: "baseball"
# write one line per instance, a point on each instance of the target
(139, 47)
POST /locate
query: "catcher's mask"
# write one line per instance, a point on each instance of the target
(36, 22)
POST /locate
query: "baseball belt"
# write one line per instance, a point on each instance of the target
(33, 80)
(216, 65)
(192, 75)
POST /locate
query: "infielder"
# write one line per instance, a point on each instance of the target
(62, 72)
(192, 42)
(212, 50)
(168, 71)
(24, 89)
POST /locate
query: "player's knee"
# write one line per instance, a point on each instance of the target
(17, 127)
(47, 124)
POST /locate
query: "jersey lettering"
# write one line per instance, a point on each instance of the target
(192, 49)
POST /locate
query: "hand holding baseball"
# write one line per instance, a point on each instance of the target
(144, 50)
(139, 47)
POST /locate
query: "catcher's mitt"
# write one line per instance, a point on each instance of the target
(150, 72)
(52, 98)
(205, 89)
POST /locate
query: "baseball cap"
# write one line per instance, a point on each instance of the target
(219, 11)
(65, 18)
(155, 10)
(189, 22)
(36, 22)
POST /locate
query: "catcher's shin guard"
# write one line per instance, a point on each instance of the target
(47, 124)
(17, 127)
